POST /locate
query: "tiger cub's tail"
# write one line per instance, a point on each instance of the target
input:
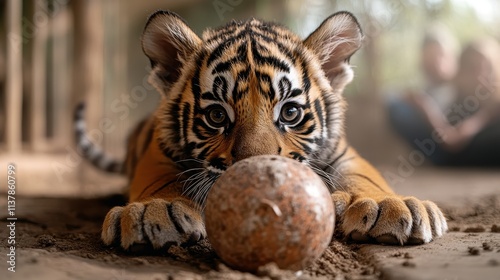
(89, 150)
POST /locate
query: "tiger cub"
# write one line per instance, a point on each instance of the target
(245, 89)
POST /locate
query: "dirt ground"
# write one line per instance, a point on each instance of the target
(67, 232)
(58, 238)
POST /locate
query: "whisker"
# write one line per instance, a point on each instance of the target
(194, 177)
(193, 180)
(190, 159)
(191, 183)
(329, 166)
(198, 195)
(328, 180)
(331, 177)
(206, 191)
(189, 170)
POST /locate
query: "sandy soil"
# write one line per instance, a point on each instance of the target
(71, 228)
(59, 239)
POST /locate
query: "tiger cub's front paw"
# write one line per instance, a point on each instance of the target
(157, 222)
(389, 219)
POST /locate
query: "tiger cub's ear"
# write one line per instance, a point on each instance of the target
(334, 42)
(167, 41)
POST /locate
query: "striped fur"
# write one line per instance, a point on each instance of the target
(92, 152)
(252, 88)
(251, 69)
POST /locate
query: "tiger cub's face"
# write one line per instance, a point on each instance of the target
(249, 88)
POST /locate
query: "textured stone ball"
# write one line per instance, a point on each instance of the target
(269, 209)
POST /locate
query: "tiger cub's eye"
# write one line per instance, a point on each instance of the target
(216, 116)
(290, 113)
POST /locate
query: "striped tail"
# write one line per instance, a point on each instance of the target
(89, 150)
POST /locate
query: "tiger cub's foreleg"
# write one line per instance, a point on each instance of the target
(158, 213)
(369, 210)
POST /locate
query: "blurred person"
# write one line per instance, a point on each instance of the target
(470, 129)
(438, 64)
(467, 133)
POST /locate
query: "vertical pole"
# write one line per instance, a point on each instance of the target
(61, 76)
(87, 84)
(14, 86)
(88, 59)
(38, 112)
(115, 67)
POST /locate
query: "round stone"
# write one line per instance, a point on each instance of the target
(269, 209)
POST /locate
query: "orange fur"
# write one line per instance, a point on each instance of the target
(269, 68)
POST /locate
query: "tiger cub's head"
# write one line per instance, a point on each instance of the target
(249, 88)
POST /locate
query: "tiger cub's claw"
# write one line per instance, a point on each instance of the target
(156, 222)
(389, 219)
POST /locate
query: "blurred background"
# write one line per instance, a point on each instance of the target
(55, 53)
